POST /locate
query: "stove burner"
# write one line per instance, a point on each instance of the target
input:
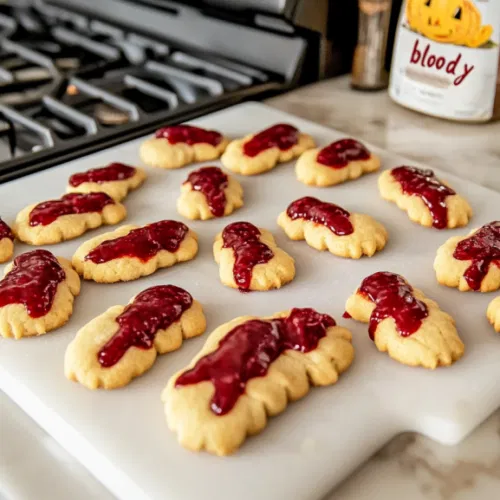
(66, 80)
(107, 115)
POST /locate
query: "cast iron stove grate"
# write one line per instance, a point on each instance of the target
(70, 85)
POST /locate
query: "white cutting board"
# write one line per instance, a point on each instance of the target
(121, 435)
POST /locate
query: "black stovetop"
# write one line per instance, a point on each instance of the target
(71, 84)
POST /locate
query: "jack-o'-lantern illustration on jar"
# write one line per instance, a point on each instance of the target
(456, 22)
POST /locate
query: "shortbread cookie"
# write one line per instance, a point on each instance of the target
(326, 226)
(208, 193)
(36, 294)
(179, 145)
(336, 163)
(427, 200)
(67, 218)
(116, 180)
(123, 342)
(471, 262)
(129, 252)
(404, 322)
(249, 258)
(493, 313)
(6, 242)
(249, 369)
(258, 153)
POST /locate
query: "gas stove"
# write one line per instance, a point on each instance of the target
(76, 76)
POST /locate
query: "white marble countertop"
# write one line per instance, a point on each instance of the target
(411, 466)
(33, 466)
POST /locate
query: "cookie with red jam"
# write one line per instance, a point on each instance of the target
(130, 252)
(260, 152)
(115, 179)
(179, 145)
(428, 200)
(124, 342)
(403, 322)
(209, 193)
(249, 258)
(36, 294)
(326, 226)
(67, 218)
(336, 163)
(250, 369)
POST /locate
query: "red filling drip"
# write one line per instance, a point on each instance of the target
(75, 203)
(142, 243)
(483, 249)
(152, 310)
(423, 183)
(280, 136)
(338, 154)
(188, 134)
(346, 315)
(5, 231)
(249, 251)
(248, 350)
(211, 182)
(393, 298)
(335, 218)
(32, 282)
(113, 172)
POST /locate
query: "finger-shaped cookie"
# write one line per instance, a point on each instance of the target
(123, 342)
(471, 262)
(116, 180)
(130, 252)
(493, 313)
(249, 258)
(180, 145)
(258, 153)
(427, 200)
(36, 294)
(6, 242)
(249, 369)
(407, 325)
(326, 226)
(72, 215)
(208, 193)
(338, 162)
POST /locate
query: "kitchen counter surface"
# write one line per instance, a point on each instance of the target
(412, 467)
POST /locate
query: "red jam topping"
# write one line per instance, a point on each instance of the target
(188, 134)
(393, 298)
(142, 243)
(5, 231)
(249, 251)
(335, 218)
(75, 203)
(338, 154)
(113, 172)
(483, 249)
(280, 136)
(248, 350)
(424, 183)
(211, 182)
(152, 310)
(32, 282)
(346, 315)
